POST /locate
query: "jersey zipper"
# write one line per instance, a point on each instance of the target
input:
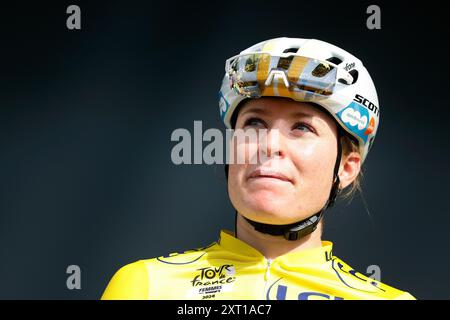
(266, 276)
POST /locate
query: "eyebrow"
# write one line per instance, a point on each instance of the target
(264, 111)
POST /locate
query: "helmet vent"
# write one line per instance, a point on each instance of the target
(334, 60)
(354, 74)
(293, 50)
(285, 62)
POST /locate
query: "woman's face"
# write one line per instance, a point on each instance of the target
(293, 176)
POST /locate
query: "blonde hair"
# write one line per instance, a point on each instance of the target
(349, 145)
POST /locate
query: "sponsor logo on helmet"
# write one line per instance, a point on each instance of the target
(356, 119)
(349, 66)
(371, 127)
(223, 104)
(366, 103)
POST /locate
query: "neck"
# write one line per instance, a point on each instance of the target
(275, 246)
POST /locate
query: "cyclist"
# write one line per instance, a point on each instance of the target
(318, 108)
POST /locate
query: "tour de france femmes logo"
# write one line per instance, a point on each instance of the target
(211, 280)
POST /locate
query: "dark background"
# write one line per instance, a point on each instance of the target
(86, 117)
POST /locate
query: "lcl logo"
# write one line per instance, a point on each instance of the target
(282, 293)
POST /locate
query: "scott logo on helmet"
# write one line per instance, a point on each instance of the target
(366, 103)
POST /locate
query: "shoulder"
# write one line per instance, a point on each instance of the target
(133, 280)
(360, 286)
(184, 257)
(129, 282)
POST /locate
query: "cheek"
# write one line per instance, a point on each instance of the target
(314, 162)
(233, 171)
(235, 174)
(243, 150)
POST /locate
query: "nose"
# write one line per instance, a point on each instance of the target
(271, 144)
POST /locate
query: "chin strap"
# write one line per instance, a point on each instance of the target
(299, 229)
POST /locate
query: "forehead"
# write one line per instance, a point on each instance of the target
(283, 107)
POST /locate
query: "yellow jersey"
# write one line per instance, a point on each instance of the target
(231, 269)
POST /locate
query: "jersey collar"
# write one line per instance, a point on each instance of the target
(314, 256)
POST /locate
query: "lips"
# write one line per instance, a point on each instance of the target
(269, 173)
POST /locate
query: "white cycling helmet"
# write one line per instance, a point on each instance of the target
(306, 70)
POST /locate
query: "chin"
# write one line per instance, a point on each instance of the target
(269, 209)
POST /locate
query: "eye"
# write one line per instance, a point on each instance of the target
(254, 122)
(302, 126)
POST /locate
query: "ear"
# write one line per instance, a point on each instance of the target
(349, 169)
